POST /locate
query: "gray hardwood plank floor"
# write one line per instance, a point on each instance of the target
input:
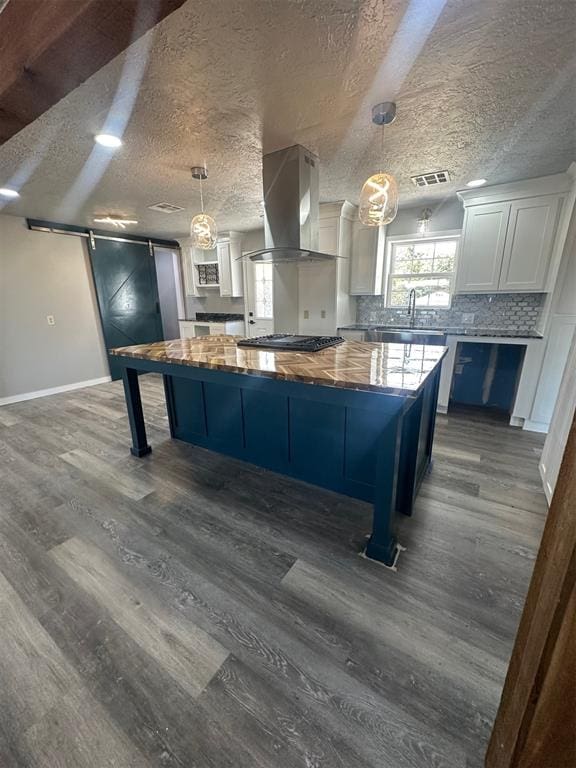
(191, 610)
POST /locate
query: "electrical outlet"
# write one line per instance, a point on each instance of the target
(323, 314)
(306, 314)
(50, 320)
(468, 317)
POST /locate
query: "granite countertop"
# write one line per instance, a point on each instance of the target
(506, 333)
(213, 317)
(400, 369)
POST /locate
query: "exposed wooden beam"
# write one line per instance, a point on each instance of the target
(536, 722)
(50, 47)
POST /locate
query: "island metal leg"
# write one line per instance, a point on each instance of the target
(382, 543)
(140, 445)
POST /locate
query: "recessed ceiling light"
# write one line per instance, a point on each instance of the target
(5, 192)
(476, 183)
(108, 140)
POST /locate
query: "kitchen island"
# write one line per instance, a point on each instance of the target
(357, 418)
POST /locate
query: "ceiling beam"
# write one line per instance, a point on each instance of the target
(49, 47)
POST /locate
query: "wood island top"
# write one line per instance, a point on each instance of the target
(388, 368)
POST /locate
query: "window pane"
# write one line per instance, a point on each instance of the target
(263, 286)
(434, 258)
(430, 291)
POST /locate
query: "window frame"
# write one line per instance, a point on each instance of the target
(449, 234)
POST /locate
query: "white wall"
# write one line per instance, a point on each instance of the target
(562, 418)
(44, 274)
(445, 215)
(558, 335)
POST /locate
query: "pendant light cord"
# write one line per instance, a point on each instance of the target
(381, 147)
(201, 196)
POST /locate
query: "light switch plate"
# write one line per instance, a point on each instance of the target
(323, 314)
(306, 314)
(50, 320)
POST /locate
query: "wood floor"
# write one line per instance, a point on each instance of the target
(189, 610)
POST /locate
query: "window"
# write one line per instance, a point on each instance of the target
(264, 286)
(427, 265)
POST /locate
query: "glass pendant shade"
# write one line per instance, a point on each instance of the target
(203, 232)
(378, 200)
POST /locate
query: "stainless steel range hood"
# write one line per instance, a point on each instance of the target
(291, 181)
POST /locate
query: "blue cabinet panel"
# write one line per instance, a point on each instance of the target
(266, 428)
(363, 429)
(187, 405)
(223, 406)
(317, 441)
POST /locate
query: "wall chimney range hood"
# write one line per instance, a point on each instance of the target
(291, 208)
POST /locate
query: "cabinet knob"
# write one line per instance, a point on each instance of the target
(252, 322)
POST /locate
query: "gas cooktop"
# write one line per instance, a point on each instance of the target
(291, 343)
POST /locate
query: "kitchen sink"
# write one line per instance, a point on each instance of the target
(393, 335)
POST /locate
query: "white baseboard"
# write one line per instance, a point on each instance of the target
(53, 390)
(441, 409)
(517, 421)
(536, 426)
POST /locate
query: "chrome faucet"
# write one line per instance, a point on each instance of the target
(411, 311)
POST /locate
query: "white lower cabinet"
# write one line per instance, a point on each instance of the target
(190, 329)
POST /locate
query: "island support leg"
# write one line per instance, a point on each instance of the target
(140, 445)
(382, 543)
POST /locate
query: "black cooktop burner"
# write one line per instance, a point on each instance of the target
(291, 343)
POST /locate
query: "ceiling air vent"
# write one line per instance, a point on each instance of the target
(165, 208)
(431, 179)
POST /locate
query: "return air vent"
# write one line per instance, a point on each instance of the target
(431, 179)
(165, 208)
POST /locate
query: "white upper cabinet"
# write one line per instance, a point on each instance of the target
(529, 241)
(513, 236)
(229, 251)
(226, 254)
(483, 242)
(367, 262)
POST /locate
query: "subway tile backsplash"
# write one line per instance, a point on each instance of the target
(513, 311)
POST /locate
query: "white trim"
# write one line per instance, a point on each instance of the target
(53, 390)
(446, 234)
(557, 184)
(536, 426)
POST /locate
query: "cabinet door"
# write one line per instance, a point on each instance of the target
(224, 274)
(186, 330)
(236, 271)
(188, 270)
(529, 242)
(482, 252)
(367, 261)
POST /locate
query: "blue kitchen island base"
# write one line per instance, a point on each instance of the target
(370, 445)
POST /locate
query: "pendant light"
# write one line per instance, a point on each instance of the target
(379, 196)
(203, 228)
(424, 221)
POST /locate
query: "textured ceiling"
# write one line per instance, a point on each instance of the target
(484, 88)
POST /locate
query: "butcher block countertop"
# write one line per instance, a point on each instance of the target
(400, 369)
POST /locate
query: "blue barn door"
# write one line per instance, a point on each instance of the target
(127, 291)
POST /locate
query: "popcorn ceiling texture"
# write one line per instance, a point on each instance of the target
(483, 89)
(506, 311)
